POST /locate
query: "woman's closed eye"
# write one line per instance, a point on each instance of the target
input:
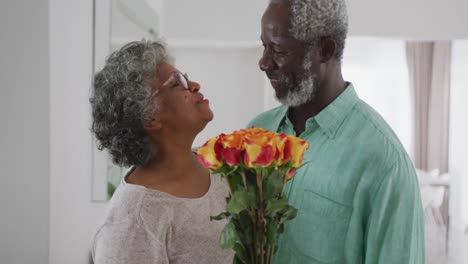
(174, 84)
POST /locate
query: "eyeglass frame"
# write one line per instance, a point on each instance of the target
(177, 75)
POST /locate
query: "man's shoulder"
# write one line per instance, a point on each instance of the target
(268, 118)
(374, 128)
(372, 132)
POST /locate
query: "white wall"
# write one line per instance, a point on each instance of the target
(73, 217)
(230, 79)
(213, 19)
(24, 133)
(414, 19)
(458, 150)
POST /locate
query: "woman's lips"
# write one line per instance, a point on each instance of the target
(202, 99)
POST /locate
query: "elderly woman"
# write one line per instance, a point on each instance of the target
(146, 113)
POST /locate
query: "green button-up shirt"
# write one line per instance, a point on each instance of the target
(357, 193)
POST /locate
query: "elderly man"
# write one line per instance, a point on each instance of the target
(357, 192)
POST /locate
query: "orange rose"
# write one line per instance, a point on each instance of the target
(296, 147)
(259, 147)
(291, 173)
(232, 146)
(256, 154)
(209, 154)
(233, 140)
(255, 147)
(282, 154)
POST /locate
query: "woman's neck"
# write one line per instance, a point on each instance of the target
(176, 172)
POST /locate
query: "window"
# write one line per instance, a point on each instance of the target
(378, 70)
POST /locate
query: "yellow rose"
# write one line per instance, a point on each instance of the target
(297, 148)
(256, 154)
(209, 154)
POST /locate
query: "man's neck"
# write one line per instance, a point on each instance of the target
(326, 93)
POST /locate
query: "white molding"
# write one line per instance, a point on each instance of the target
(142, 15)
(199, 44)
(213, 44)
(101, 47)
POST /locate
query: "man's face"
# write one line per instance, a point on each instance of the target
(288, 63)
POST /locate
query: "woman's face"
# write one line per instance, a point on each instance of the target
(181, 108)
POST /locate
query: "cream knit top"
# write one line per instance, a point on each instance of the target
(144, 226)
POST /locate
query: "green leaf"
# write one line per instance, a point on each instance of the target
(240, 201)
(244, 228)
(236, 181)
(221, 216)
(252, 196)
(271, 232)
(288, 214)
(228, 236)
(273, 185)
(275, 206)
(232, 170)
(241, 253)
(237, 260)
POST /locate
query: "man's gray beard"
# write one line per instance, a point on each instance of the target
(303, 93)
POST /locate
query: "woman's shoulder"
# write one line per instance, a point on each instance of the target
(124, 236)
(132, 210)
(219, 185)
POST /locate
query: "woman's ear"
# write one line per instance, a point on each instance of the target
(153, 125)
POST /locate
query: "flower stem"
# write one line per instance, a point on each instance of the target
(269, 251)
(229, 184)
(244, 179)
(260, 216)
(285, 178)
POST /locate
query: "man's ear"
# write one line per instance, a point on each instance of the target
(327, 49)
(153, 125)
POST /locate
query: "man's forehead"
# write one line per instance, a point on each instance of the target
(275, 20)
(278, 34)
(275, 27)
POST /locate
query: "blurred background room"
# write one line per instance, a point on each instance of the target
(407, 58)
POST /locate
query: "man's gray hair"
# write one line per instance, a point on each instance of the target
(121, 101)
(314, 19)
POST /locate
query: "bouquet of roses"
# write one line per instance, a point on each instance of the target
(256, 164)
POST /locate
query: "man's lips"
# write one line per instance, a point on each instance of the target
(273, 77)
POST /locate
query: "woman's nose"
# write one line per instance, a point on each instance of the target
(194, 86)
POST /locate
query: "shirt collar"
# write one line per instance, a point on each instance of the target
(282, 114)
(331, 118)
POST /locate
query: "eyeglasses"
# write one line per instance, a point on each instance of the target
(181, 78)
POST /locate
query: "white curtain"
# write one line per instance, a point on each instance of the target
(429, 72)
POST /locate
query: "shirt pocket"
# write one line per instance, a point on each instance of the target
(320, 228)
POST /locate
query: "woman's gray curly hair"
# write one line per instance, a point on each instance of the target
(314, 19)
(121, 101)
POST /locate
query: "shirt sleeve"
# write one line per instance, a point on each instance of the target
(395, 227)
(128, 246)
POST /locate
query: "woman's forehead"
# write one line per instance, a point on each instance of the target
(166, 69)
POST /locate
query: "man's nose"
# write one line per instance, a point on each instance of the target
(265, 63)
